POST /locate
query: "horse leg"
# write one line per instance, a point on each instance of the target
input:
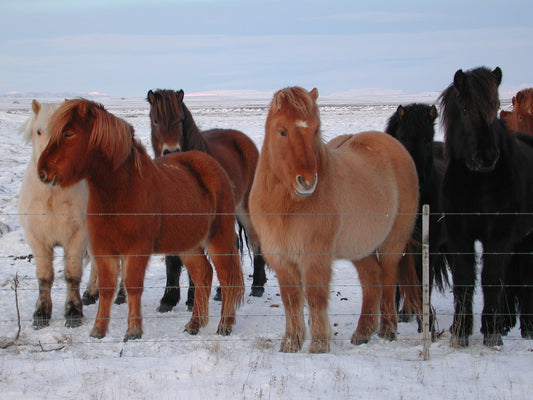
(134, 268)
(290, 285)
(90, 296)
(122, 296)
(73, 273)
(371, 276)
(463, 268)
(171, 297)
(389, 323)
(108, 271)
(201, 273)
(229, 273)
(45, 275)
(317, 277)
(259, 275)
(190, 294)
(524, 286)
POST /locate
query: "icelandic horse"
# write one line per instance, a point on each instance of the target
(178, 204)
(355, 198)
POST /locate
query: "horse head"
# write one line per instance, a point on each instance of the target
(470, 108)
(293, 139)
(35, 129)
(414, 126)
(82, 134)
(523, 101)
(167, 117)
(517, 120)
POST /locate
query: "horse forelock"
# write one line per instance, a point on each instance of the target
(296, 103)
(39, 120)
(166, 105)
(479, 89)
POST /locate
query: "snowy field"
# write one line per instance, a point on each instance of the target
(61, 363)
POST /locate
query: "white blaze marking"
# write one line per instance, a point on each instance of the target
(301, 124)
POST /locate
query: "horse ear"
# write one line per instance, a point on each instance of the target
(504, 114)
(180, 93)
(519, 98)
(401, 111)
(150, 97)
(35, 106)
(314, 93)
(459, 79)
(498, 75)
(433, 112)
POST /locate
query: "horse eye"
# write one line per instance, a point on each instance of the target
(283, 133)
(68, 134)
(155, 121)
(39, 132)
(316, 132)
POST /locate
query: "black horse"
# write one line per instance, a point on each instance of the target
(487, 196)
(414, 126)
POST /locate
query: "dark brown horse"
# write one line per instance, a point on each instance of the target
(178, 204)
(174, 129)
(355, 198)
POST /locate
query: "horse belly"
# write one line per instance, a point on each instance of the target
(179, 234)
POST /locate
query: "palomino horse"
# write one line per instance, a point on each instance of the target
(354, 199)
(52, 216)
(174, 129)
(178, 204)
(487, 191)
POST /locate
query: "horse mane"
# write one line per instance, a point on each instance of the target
(480, 85)
(110, 134)
(169, 105)
(43, 110)
(296, 103)
(523, 101)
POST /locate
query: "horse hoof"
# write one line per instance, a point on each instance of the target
(404, 317)
(291, 345)
(391, 336)
(73, 321)
(218, 295)
(359, 341)
(459, 341)
(526, 334)
(224, 331)
(97, 333)
(191, 331)
(492, 339)
(190, 306)
(257, 291)
(132, 336)
(41, 319)
(89, 299)
(121, 298)
(319, 346)
(164, 307)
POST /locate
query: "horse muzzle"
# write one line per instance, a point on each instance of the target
(304, 187)
(484, 164)
(45, 178)
(170, 149)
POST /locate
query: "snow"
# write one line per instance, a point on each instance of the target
(61, 363)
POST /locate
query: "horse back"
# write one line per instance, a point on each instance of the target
(237, 154)
(195, 192)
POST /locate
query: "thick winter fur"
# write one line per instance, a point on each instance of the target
(355, 198)
(52, 216)
(414, 126)
(174, 129)
(178, 204)
(487, 189)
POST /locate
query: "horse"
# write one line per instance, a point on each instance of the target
(355, 198)
(517, 120)
(50, 217)
(414, 126)
(486, 191)
(177, 204)
(523, 101)
(173, 129)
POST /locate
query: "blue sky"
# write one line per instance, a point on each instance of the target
(124, 48)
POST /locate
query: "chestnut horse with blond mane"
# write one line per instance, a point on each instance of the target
(355, 198)
(178, 204)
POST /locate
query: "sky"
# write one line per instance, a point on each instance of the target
(125, 48)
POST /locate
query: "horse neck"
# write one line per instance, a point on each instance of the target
(192, 137)
(111, 186)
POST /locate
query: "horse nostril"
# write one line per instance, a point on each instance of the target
(42, 175)
(301, 181)
(165, 152)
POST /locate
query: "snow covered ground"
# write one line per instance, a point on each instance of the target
(61, 363)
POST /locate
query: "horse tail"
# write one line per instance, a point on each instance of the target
(409, 284)
(440, 272)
